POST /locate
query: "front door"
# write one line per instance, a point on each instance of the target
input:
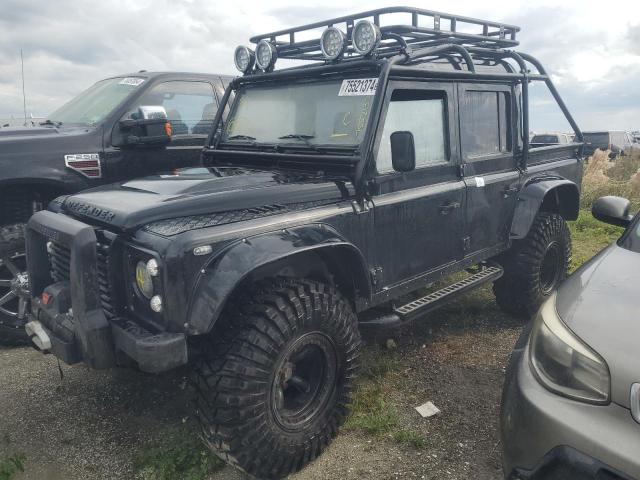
(419, 214)
(487, 134)
(191, 107)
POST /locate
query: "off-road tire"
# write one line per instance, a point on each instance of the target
(11, 243)
(237, 375)
(534, 266)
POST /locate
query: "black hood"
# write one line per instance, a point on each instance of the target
(16, 132)
(20, 141)
(599, 302)
(139, 202)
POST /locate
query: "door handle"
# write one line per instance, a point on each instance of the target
(448, 207)
(507, 192)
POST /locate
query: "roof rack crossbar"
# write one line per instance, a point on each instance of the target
(423, 27)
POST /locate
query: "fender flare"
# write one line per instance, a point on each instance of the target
(226, 269)
(566, 196)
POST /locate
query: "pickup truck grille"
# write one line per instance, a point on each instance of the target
(60, 262)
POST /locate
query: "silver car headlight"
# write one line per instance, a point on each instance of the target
(563, 363)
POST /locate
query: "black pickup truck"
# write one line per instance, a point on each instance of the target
(337, 191)
(100, 136)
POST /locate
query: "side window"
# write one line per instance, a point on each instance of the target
(422, 113)
(485, 123)
(190, 106)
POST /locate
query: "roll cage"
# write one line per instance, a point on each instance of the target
(405, 50)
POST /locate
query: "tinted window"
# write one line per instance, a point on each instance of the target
(485, 123)
(597, 138)
(190, 106)
(548, 139)
(421, 113)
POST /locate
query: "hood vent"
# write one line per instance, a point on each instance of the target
(175, 226)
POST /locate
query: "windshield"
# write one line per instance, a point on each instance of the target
(319, 113)
(545, 139)
(632, 239)
(94, 104)
(597, 138)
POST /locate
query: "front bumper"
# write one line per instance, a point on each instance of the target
(71, 311)
(546, 436)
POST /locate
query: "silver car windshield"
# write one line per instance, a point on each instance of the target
(318, 113)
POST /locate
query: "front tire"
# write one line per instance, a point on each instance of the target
(12, 264)
(534, 266)
(274, 378)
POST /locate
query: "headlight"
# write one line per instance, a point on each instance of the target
(144, 281)
(244, 59)
(563, 363)
(332, 43)
(266, 55)
(366, 37)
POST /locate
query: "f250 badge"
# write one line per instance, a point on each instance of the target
(89, 210)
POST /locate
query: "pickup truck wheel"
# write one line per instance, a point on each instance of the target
(535, 266)
(273, 380)
(12, 268)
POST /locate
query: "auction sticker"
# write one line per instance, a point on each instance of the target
(133, 81)
(358, 86)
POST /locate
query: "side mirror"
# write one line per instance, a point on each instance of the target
(148, 127)
(403, 152)
(612, 210)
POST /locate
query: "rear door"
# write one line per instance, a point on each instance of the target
(487, 127)
(418, 215)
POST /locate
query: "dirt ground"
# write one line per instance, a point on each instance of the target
(93, 424)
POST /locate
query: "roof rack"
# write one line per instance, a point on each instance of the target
(424, 28)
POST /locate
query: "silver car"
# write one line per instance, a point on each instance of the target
(571, 401)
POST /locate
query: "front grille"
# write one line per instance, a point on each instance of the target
(60, 262)
(104, 280)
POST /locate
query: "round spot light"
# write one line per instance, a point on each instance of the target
(156, 303)
(365, 37)
(333, 43)
(266, 55)
(244, 58)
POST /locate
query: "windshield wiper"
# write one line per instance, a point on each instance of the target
(51, 122)
(241, 137)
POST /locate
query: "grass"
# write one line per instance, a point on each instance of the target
(11, 465)
(182, 457)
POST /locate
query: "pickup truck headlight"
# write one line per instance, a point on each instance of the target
(563, 363)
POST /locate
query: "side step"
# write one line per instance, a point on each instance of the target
(432, 301)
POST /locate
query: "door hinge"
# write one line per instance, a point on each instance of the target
(466, 244)
(376, 275)
(462, 169)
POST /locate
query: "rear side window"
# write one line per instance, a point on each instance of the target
(422, 113)
(485, 123)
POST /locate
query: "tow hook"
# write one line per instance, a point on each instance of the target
(38, 336)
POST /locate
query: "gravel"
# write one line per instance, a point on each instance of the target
(92, 424)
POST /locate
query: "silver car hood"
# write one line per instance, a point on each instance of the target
(600, 303)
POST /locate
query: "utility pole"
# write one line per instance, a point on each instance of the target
(24, 96)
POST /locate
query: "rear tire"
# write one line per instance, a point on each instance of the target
(534, 266)
(12, 262)
(273, 380)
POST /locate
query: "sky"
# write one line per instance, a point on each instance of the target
(591, 50)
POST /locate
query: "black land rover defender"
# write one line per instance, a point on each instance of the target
(399, 157)
(100, 136)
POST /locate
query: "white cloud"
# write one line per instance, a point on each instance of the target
(592, 51)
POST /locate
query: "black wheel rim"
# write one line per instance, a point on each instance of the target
(12, 267)
(551, 268)
(304, 382)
